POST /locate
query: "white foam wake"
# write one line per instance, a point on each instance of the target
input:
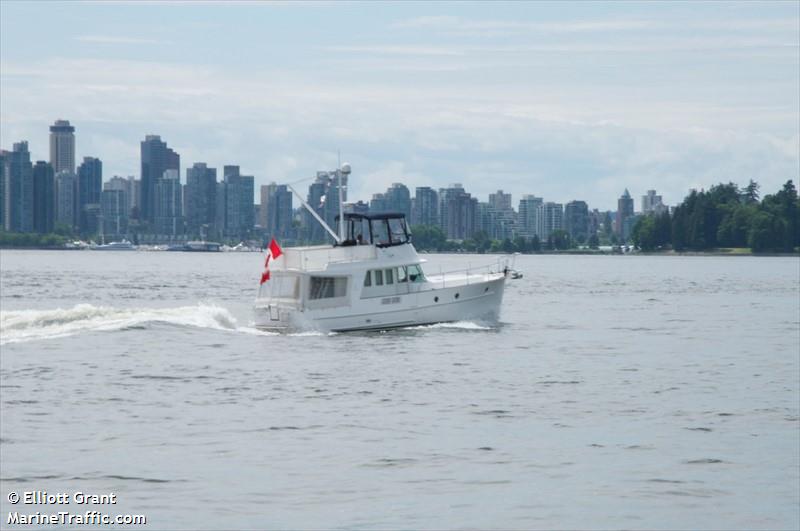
(459, 325)
(29, 325)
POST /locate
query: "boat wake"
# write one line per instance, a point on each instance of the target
(458, 325)
(31, 325)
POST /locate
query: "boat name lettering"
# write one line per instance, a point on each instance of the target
(390, 300)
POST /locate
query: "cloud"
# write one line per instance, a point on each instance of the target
(396, 50)
(454, 25)
(473, 26)
(108, 39)
(552, 141)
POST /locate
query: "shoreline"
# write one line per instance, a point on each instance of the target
(733, 252)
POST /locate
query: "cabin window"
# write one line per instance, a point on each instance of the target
(368, 279)
(401, 274)
(415, 274)
(380, 232)
(379, 277)
(389, 276)
(283, 287)
(398, 230)
(360, 232)
(327, 287)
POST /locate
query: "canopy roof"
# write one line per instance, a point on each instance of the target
(380, 215)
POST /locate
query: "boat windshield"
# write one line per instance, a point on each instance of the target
(389, 231)
(380, 232)
(378, 229)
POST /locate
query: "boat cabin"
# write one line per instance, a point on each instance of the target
(382, 230)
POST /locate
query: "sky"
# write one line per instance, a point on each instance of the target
(565, 100)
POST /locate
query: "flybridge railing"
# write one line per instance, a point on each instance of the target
(471, 274)
(312, 259)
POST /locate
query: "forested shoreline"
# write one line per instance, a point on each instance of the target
(725, 216)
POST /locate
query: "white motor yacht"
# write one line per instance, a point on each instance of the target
(371, 278)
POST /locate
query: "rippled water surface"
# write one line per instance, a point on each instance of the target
(617, 392)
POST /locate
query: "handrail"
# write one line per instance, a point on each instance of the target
(497, 266)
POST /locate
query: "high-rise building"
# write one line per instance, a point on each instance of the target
(130, 186)
(312, 230)
(550, 219)
(487, 217)
(92, 217)
(201, 198)
(398, 199)
(4, 156)
(323, 198)
(156, 158)
(267, 191)
(652, 203)
(169, 204)
(235, 207)
(528, 218)
(247, 194)
(62, 147)
(595, 222)
(44, 198)
(276, 210)
(499, 216)
(624, 211)
(445, 196)
(497, 224)
(115, 209)
(66, 200)
(18, 189)
(90, 181)
(359, 207)
(378, 204)
(90, 184)
(500, 201)
(576, 220)
(458, 212)
(425, 207)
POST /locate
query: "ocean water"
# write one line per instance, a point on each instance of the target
(616, 392)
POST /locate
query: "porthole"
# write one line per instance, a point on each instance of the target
(456, 295)
(436, 299)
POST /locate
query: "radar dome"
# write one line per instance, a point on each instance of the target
(346, 167)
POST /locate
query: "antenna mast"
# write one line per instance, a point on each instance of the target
(339, 172)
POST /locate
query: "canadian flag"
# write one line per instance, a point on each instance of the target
(274, 252)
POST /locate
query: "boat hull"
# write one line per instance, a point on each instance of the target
(476, 301)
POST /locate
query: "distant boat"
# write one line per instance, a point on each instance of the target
(202, 247)
(124, 245)
(240, 248)
(76, 245)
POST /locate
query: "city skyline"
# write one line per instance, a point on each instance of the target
(565, 102)
(34, 197)
(183, 173)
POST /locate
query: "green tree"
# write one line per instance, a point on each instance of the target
(428, 238)
(559, 240)
(750, 193)
(644, 233)
(764, 232)
(482, 241)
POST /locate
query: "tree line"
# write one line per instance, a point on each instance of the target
(725, 216)
(432, 238)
